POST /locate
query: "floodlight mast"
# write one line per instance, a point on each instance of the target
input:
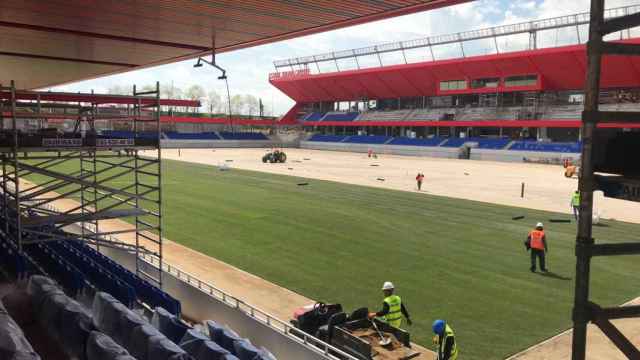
(221, 77)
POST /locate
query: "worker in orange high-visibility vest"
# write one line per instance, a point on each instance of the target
(537, 243)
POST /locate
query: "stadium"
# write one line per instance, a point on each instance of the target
(134, 227)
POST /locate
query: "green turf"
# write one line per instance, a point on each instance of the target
(460, 260)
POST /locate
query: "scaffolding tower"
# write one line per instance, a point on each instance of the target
(65, 178)
(593, 149)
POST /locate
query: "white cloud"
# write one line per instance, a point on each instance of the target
(248, 69)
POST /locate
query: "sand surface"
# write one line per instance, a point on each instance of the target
(546, 188)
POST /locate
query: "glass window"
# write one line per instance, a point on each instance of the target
(524, 80)
(485, 83)
(453, 85)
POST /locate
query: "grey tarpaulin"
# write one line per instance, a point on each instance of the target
(100, 301)
(102, 347)
(13, 343)
(127, 322)
(168, 324)
(140, 339)
(161, 348)
(224, 337)
(200, 347)
(110, 311)
(74, 328)
(49, 311)
(245, 350)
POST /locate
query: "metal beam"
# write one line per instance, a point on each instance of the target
(612, 48)
(615, 249)
(621, 23)
(93, 35)
(621, 312)
(58, 58)
(504, 30)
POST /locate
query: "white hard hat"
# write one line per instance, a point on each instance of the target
(388, 285)
(539, 225)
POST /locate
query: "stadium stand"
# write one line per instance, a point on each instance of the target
(226, 135)
(393, 115)
(340, 116)
(435, 141)
(572, 147)
(327, 138)
(314, 116)
(367, 139)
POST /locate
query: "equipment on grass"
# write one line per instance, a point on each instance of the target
(276, 156)
(353, 334)
(384, 341)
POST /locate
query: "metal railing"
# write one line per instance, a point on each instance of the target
(574, 20)
(261, 316)
(310, 342)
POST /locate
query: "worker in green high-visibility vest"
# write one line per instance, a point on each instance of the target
(575, 204)
(392, 308)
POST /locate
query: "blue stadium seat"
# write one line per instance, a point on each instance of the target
(348, 116)
(172, 135)
(561, 147)
(367, 139)
(226, 135)
(168, 325)
(327, 138)
(435, 141)
(315, 116)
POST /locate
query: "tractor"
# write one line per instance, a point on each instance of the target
(275, 156)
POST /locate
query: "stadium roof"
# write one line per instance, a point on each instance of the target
(561, 68)
(44, 43)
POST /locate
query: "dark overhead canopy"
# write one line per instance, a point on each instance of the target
(44, 43)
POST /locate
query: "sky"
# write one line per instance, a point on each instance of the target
(248, 69)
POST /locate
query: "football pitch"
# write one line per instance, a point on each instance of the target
(459, 260)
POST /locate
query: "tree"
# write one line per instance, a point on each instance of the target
(214, 102)
(251, 105)
(195, 92)
(118, 90)
(237, 104)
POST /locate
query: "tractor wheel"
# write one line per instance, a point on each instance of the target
(264, 159)
(283, 157)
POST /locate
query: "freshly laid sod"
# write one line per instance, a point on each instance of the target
(459, 260)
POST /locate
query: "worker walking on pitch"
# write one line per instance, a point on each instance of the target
(537, 243)
(575, 204)
(392, 308)
(445, 340)
(419, 179)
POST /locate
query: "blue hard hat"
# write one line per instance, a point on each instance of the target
(438, 326)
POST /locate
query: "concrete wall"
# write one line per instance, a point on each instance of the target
(522, 156)
(200, 306)
(444, 152)
(432, 151)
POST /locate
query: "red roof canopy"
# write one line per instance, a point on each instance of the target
(561, 68)
(45, 43)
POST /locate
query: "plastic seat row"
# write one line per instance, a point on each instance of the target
(575, 147)
(70, 324)
(327, 138)
(67, 275)
(367, 139)
(11, 260)
(434, 141)
(101, 277)
(226, 135)
(132, 332)
(144, 291)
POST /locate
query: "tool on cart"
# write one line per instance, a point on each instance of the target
(384, 341)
